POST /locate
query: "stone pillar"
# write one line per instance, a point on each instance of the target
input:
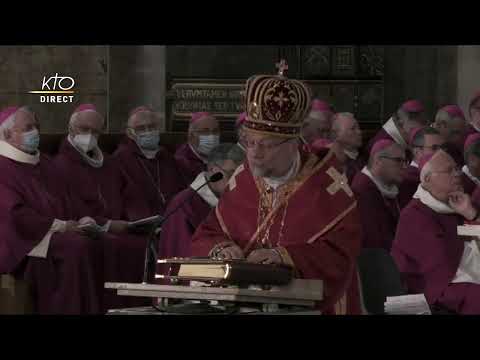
(136, 77)
(24, 67)
(468, 74)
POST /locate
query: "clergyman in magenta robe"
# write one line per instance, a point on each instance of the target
(432, 258)
(203, 136)
(39, 238)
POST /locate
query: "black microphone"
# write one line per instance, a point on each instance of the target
(214, 178)
(151, 250)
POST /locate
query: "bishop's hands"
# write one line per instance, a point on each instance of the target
(75, 226)
(72, 225)
(226, 250)
(265, 256)
(462, 204)
(230, 252)
(118, 226)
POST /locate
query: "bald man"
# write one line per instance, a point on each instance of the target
(410, 115)
(347, 140)
(432, 257)
(450, 122)
(376, 190)
(203, 136)
(423, 141)
(318, 123)
(148, 167)
(97, 179)
(474, 111)
(40, 238)
(471, 169)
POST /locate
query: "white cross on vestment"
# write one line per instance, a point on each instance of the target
(340, 182)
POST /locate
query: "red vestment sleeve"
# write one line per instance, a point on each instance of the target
(207, 235)
(331, 258)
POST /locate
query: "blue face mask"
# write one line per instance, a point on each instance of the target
(31, 140)
(148, 140)
(206, 143)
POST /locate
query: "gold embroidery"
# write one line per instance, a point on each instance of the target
(310, 167)
(286, 258)
(332, 223)
(222, 223)
(280, 99)
(232, 183)
(340, 182)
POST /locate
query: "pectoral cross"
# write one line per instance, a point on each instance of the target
(281, 66)
(340, 182)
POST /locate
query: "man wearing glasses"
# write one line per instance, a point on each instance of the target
(410, 115)
(203, 136)
(151, 171)
(376, 189)
(347, 137)
(432, 257)
(284, 205)
(318, 123)
(423, 141)
(177, 231)
(450, 122)
(471, 169)
(474, 112)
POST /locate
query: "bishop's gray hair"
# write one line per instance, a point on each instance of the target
(336, 124)
(381, 153)
(419, 138)
(400, 117)
(10, 121)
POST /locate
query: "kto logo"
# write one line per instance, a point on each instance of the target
(56, 85)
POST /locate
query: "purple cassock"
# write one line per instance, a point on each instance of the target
(471, 130)
(456, 153)
(69, 279)
(378, 214)
(107, 195)
(177, 231)
(352, 167)
(154, 181)
(409, 185)
(428, 251)
(468, 185)
(382, 134)
(189, 163)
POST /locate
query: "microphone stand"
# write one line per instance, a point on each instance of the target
(153, 235)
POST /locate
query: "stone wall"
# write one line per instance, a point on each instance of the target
(118, 78)
(115, 78)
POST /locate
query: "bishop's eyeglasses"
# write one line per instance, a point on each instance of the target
(264, 145)
(399, 160)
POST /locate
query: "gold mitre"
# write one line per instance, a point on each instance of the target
(276, 105)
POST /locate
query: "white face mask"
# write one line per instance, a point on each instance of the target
(85, 142)
(206, 143)
(31, 140)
